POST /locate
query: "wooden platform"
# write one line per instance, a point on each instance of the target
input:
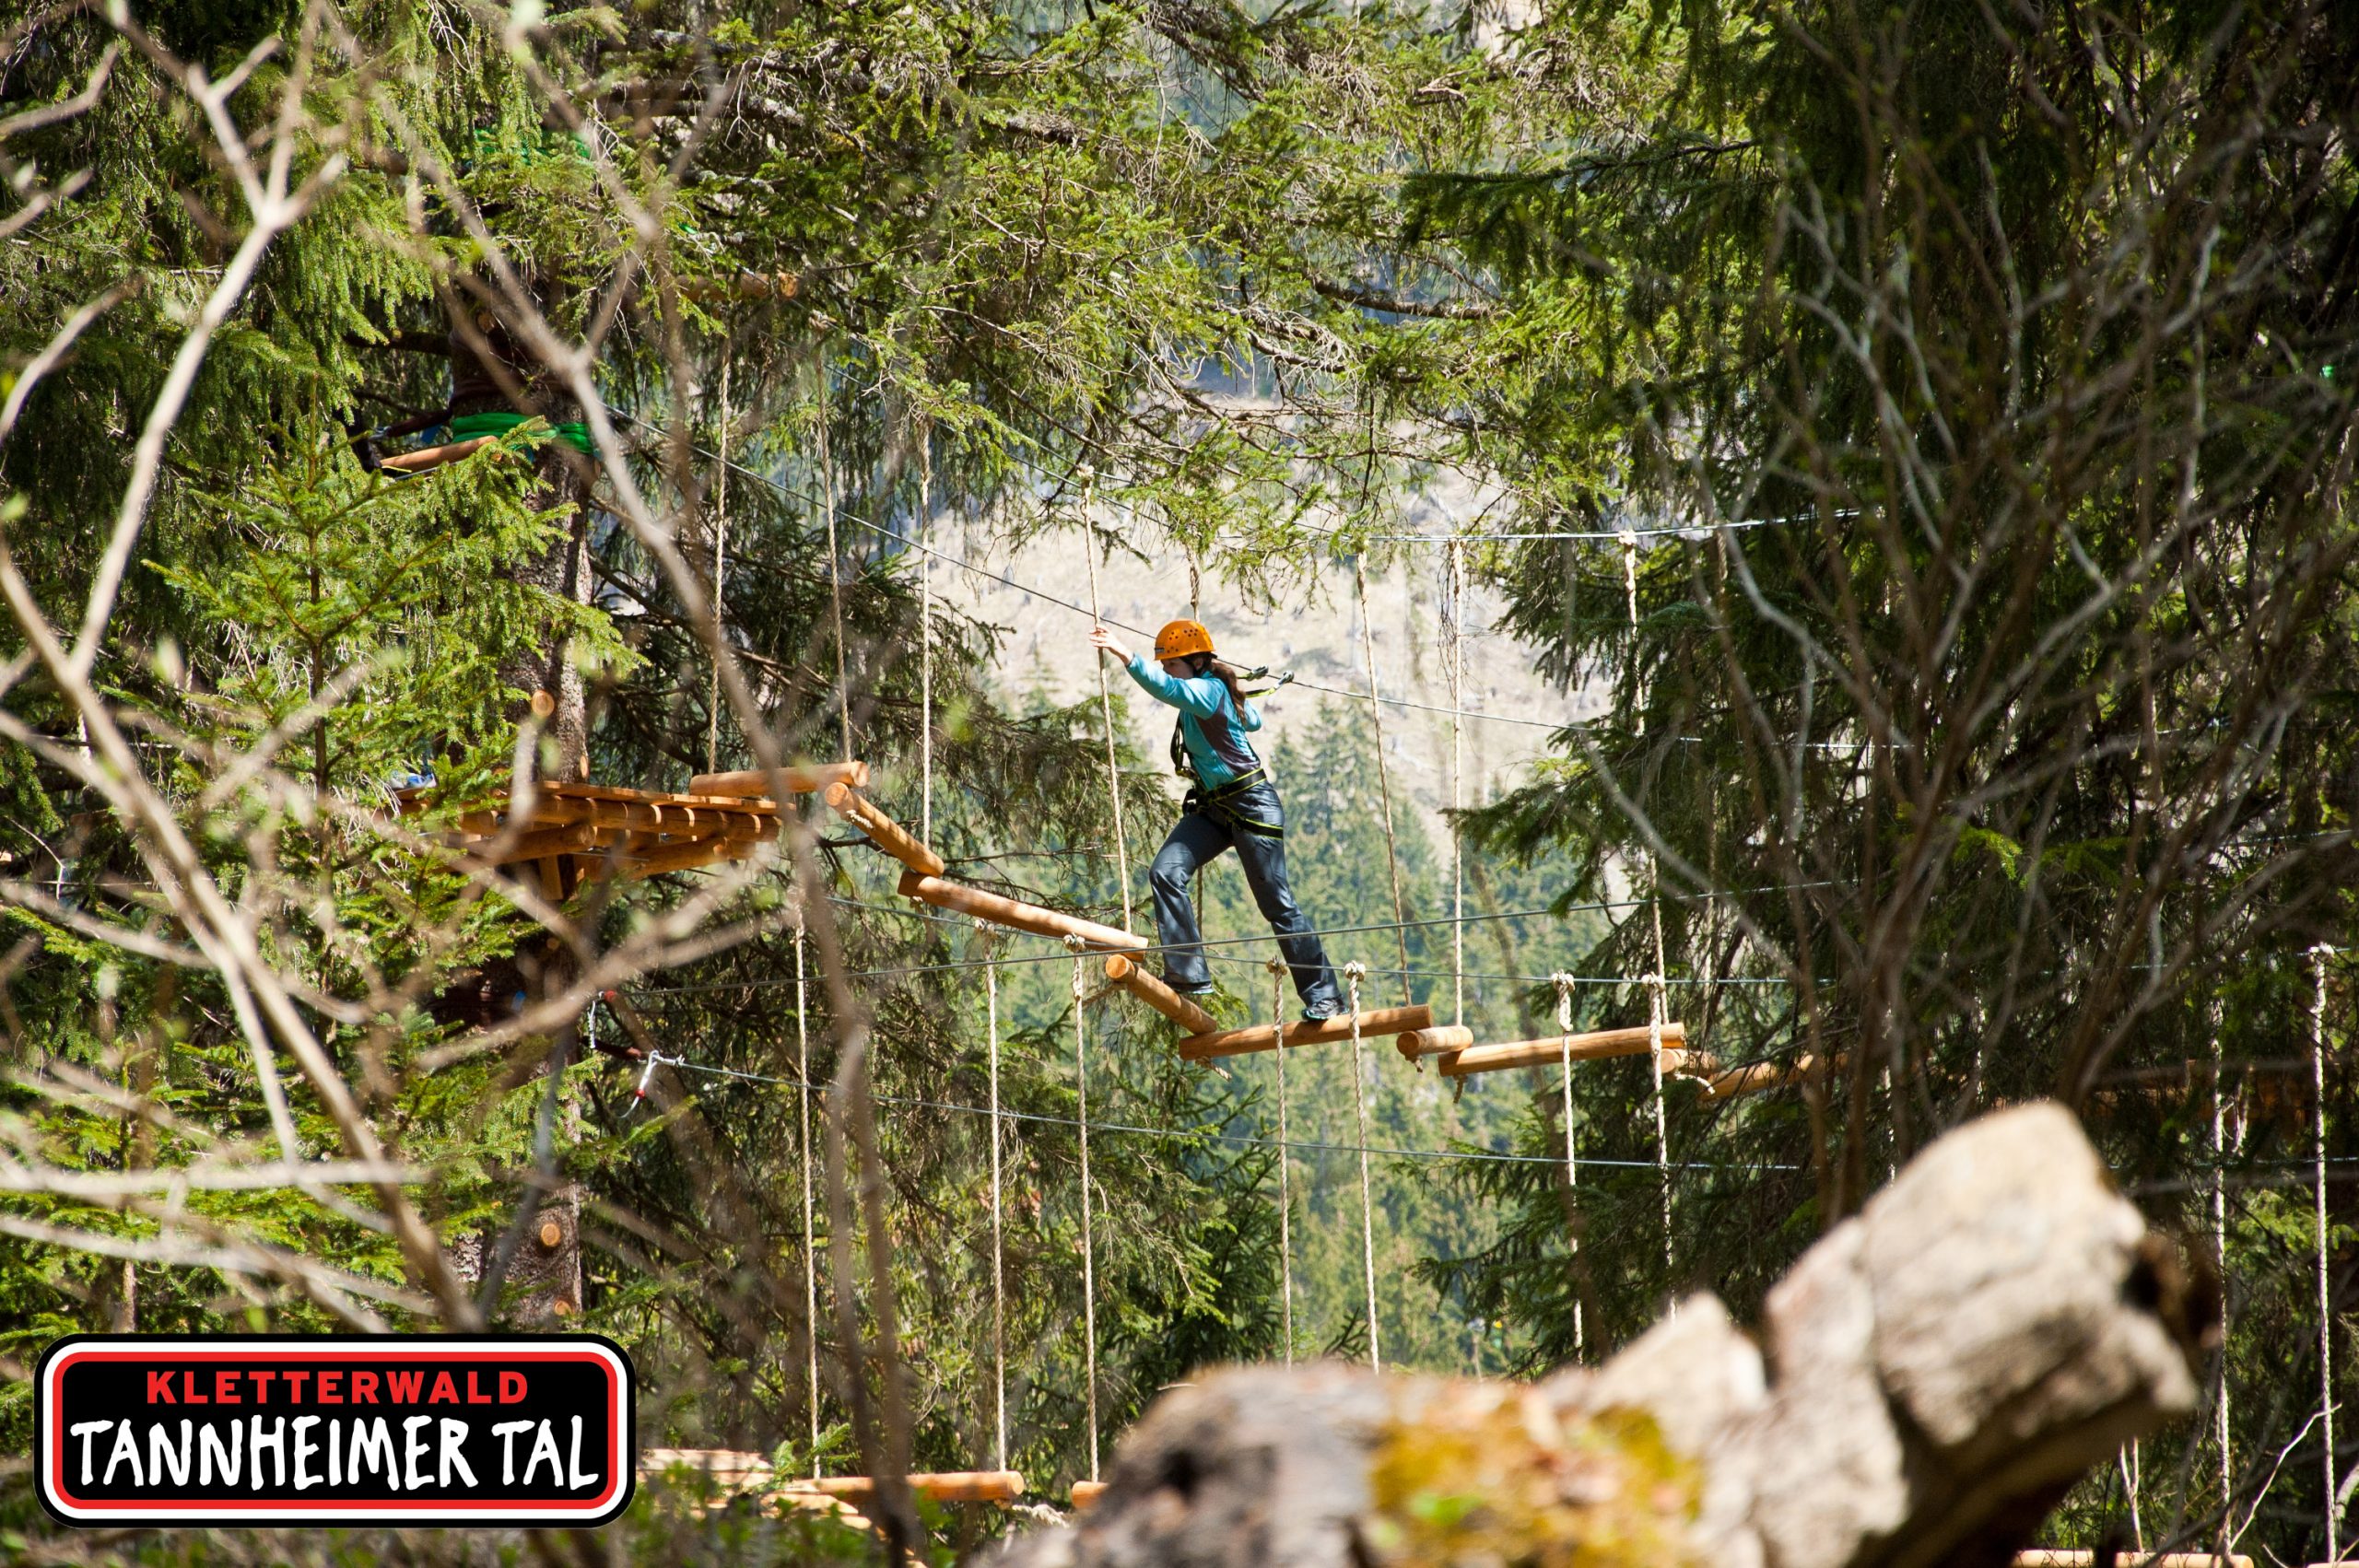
(576, 832)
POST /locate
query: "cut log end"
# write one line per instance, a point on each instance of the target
(1128, 974)
(882, 830)
(1086, 1494)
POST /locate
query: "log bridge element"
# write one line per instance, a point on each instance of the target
(1128, 974)
(570, 833)
(1205, 1044)
(737, 1473)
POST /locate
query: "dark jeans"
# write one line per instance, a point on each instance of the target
(1250, 822)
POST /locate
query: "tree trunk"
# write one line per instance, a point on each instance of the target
(1930, 1379)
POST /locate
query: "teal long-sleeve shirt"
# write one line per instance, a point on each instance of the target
(1212, 724)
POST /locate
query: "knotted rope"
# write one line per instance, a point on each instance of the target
(1572, 1157)
(1278, 972)
(1088, 1244)
(1353, 975)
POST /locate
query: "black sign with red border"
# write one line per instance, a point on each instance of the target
(138, 1429)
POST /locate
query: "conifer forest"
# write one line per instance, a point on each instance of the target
(1793, 563)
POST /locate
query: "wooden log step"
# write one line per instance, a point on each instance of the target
(949, 1486)
(1086, 1492)
(882, 830)
(1435, 1041)
(755, 783)
(1132, 977)
(1595, 1045)
(1018, 915)
(1266, 1037)
(1759, 1076)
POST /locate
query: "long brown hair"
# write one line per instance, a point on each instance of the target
(1227, 675)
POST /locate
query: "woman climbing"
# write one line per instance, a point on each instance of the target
(1230, 804)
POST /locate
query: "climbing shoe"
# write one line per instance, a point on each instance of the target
(1320, 1012)
(1199, 988)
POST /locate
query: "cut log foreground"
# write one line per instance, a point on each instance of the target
(1435, 1041)
(1932, 1376)
(882, 830)
(1327, 1030)
(1021, 917)
(1548, 1052)
(1127, 974)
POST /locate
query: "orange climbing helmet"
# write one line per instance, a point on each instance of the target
(1179, 638)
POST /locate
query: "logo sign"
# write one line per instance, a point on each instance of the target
(135, 1429)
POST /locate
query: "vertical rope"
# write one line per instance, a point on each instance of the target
(1454, 622)
(1285, 1158)
(810, 1228)
(999, 1296)
(1106, 709)
(1088, 1245)
(1383, 775)
(1353, 975)
(720, 577)
(835, 569)
(2220, 1247)
(925, 658)
(1654, 910)
(2326, 1320)
(1572, 1155)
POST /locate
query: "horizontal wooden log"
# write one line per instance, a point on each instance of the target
(687, 857)
(1265, 1036)
(965, 900)
(1435, 1041)
(1128, 974)
(949, 1486)
(424, 458)
(1596, 1045)
(2046, 1558)
(1086, 1492)
(1757, 1076)
(755, 783)
(882, 830)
